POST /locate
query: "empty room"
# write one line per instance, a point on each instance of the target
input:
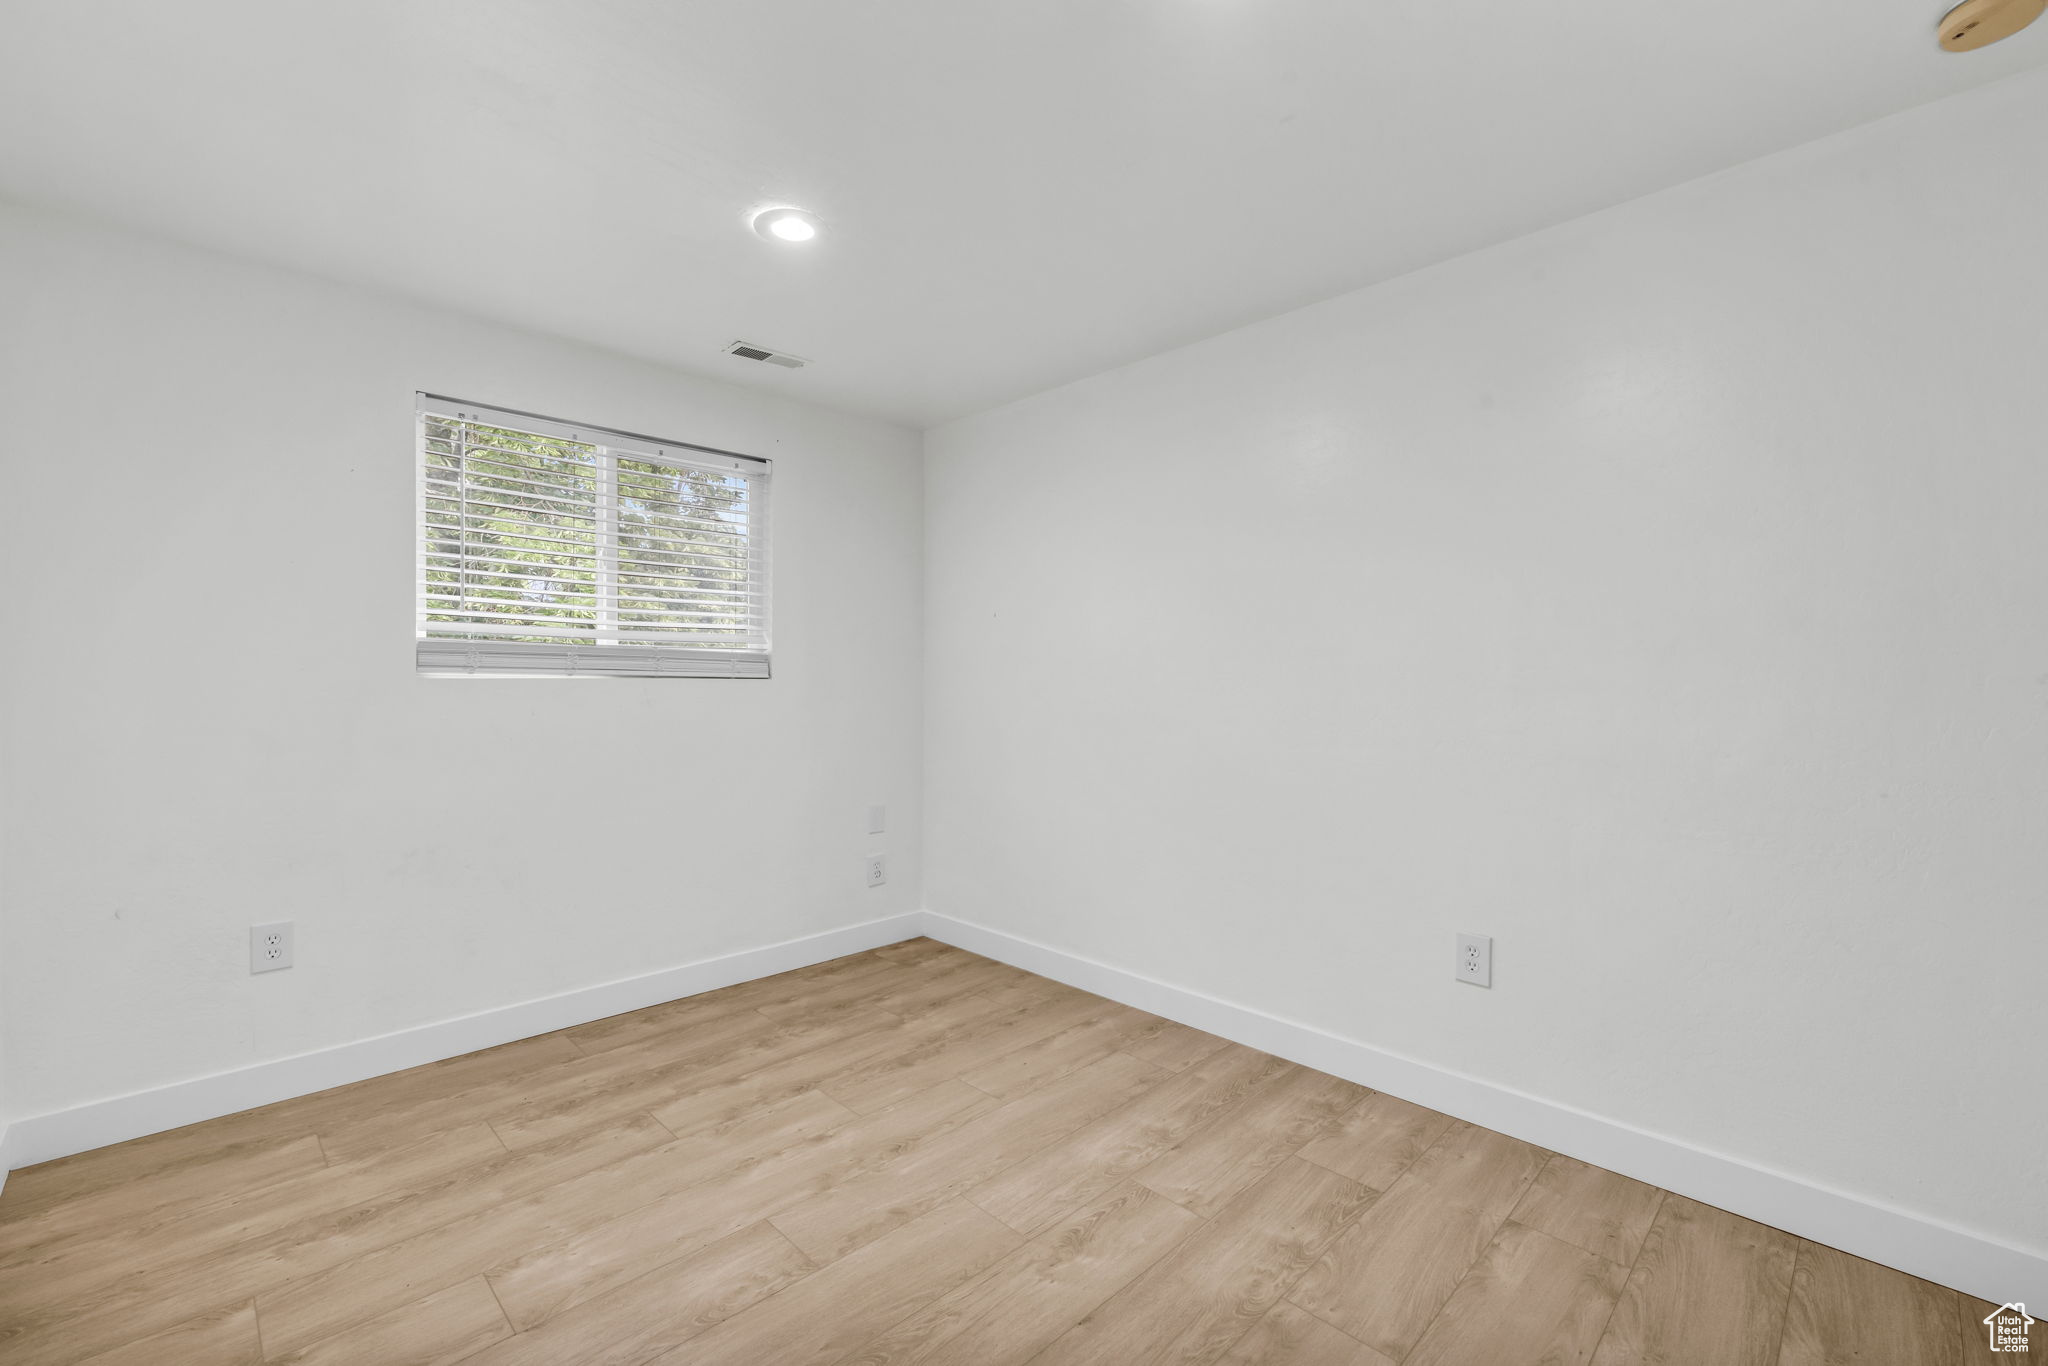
(1000, 683)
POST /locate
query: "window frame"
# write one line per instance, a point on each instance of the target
(474, 652)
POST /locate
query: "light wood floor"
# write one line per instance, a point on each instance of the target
(907, 1156)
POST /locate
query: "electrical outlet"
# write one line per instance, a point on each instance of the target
(878, 819)
(878, 869)
(1475, 959)
(270, 946)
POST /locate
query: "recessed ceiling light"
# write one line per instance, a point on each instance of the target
(786, 225)
(1980, 23)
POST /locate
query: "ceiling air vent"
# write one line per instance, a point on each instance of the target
(750, 351)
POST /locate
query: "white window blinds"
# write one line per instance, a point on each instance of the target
(551, 548)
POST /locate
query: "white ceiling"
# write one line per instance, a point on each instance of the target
(1017, 192)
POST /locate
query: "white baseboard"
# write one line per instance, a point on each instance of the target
(1939, 1252)
(38, 1138)
(1935, 1251)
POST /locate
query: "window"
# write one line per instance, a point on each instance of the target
(547, 547)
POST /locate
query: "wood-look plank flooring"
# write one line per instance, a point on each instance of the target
(911, 1157)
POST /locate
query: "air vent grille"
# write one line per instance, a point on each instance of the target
(749, 351)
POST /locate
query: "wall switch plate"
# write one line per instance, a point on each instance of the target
(878, 869)
(1475, 959)
(878, 819)
(270, 946)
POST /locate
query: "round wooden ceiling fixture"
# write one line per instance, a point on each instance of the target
(1976, 23)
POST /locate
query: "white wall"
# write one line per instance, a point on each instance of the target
(6, 1087)
(212, 717)
(1663, 594)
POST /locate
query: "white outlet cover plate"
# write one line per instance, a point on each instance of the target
(1475, 960)
(878, 869)
(270, 946)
